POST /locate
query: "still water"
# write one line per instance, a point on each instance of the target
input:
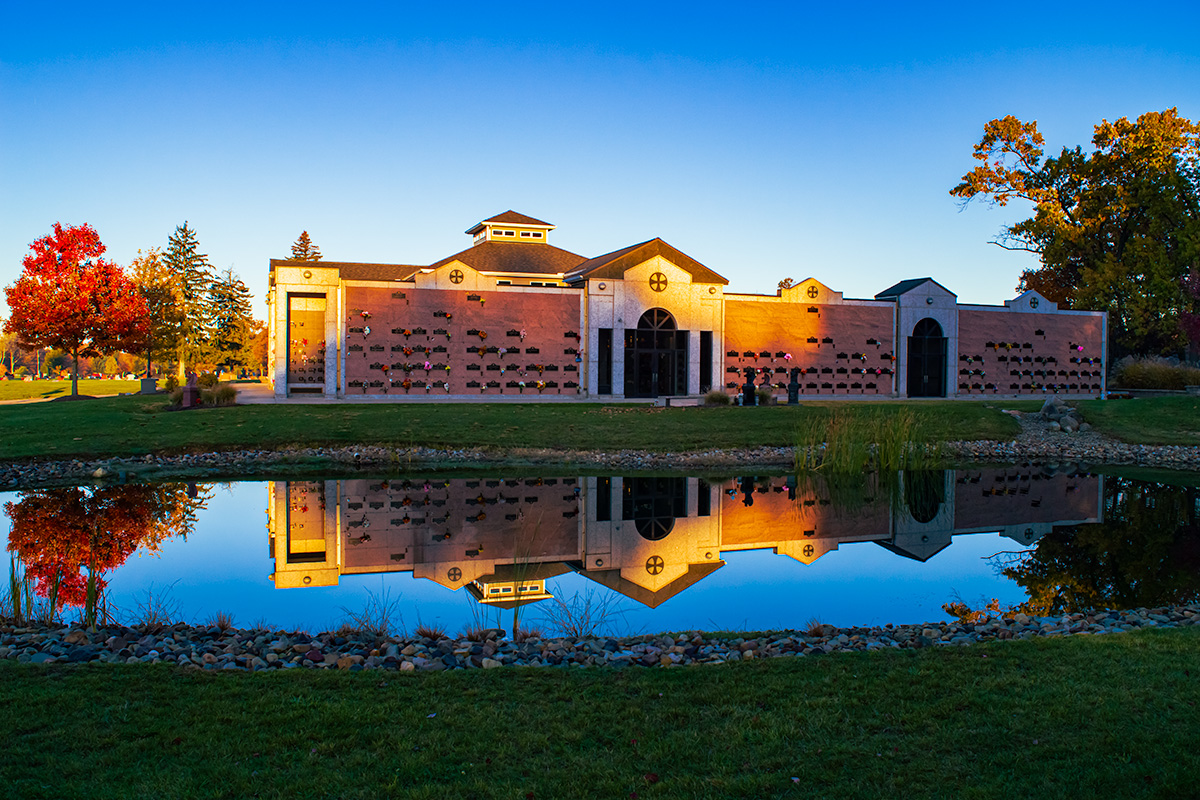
(646, 554)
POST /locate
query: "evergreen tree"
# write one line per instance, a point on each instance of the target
(304, 249)
(157, 285)
(233, 323)
(191, 277)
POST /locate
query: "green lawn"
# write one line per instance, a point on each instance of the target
(1087, 716)
(1147, 420)
(134, 425)
(25, 390)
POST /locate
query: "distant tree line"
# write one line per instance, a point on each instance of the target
(71, 305)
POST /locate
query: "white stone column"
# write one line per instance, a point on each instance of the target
(693, 367)
(280, 343)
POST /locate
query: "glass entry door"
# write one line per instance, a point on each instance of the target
(655, 357)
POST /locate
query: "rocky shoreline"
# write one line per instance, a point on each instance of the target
(213, 648)
(1041, 440)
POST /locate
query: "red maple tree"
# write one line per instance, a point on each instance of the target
(59, 532)
(71, 299)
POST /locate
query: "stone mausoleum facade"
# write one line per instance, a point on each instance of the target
(513, 315)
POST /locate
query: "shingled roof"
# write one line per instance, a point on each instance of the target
(613, 265)
(509, 217)
(518, 257)
(355, 270)
(904, 287)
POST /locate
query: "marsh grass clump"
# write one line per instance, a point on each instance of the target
(17, 604)
(155, 609)
(474, 633)
(378, 616)
(222, 395)
(221, 620)
(1154, 372)
(585, 614)
(95, 604)
(860, 440)
(434, 632)
(717, 398)
(526, 634)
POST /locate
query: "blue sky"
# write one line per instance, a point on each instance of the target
(766, 141)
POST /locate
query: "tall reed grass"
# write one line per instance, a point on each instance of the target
(885, 439)
(155, 608)
(586, 614)
(20, 604)
(17, 605)
(378, 616)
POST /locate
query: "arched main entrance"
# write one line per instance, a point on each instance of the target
(927, 360)
(924, 493)
(654, 504)
(655, 356)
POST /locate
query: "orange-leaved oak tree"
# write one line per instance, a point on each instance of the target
(71, 299)
(1116, 228)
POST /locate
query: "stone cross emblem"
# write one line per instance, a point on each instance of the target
(658, 282)
(813, 292)
(1033, 302)
(456, 276)
(654, 565)
(455, 574)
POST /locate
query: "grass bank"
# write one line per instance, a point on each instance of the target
(31, 390)
(133, 425)
(137, 425)
(1147, 420)
(1103, 716)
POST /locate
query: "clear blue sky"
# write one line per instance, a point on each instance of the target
(765, 141)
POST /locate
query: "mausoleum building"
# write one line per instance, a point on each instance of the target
(513, 315)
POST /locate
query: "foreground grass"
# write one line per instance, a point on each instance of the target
(1107, 716)
(135, 425)
(29, 390)
(1147, 420)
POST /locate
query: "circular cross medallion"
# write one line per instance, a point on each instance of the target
(813, 292)
(654, 565)
(455, 574)
(1033, 302)
(808, 550)
(456, 276)
(658, 282)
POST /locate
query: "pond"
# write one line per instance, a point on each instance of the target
(623, 554)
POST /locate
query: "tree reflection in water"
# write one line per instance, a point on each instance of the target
(1145, 553)
(58, 532)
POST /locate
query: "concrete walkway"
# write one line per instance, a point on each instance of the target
(263, 394)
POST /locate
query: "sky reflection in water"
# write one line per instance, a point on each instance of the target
(225, 564)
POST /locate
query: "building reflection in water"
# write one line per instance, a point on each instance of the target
(648, 538)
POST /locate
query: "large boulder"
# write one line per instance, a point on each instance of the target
(1054, 409)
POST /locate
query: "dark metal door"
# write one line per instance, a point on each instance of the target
(927, 360)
